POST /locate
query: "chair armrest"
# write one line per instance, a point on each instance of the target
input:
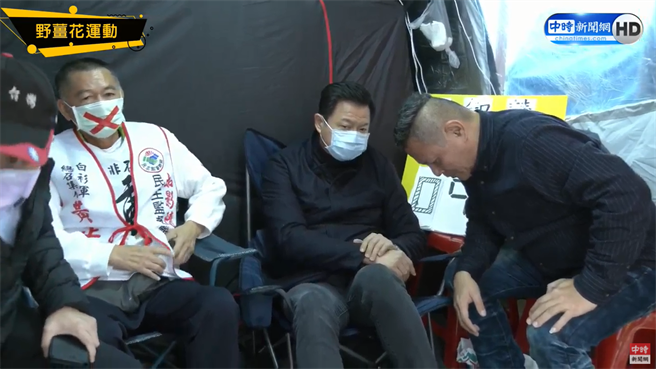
(67, 352)
(213, 247)
(260, 290)
(442, 257)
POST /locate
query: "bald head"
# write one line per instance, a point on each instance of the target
(422, 117)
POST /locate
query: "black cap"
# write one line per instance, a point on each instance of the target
(28, 111)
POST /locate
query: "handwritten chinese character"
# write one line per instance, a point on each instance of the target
(127, 166)
(77, 31)
(81, 212)
(71, 185)
(59, 30)
(159, 207)
(114, 169)
(93, 30)
(42, 30)
(168, 219)
(169, 181)
(160, 219)
(67, 168)
(81, 167)
(170, 201)
(91, 233)
(157, 196)
(581, 26)
(158, 181)
(164, 229)
(109, 30)
(82, 191)
(82, 178)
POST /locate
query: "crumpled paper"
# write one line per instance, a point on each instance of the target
(466, 353)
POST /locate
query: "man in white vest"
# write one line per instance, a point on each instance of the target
(114, 199)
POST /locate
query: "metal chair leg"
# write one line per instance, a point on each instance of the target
(430, 331)
(254, 343)
(357, 356)
(270, 347)
(290, 353)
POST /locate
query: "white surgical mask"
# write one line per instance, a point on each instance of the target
(95, 120)
(16, 185)
(345, 145)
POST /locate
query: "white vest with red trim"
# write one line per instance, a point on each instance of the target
(89, 202)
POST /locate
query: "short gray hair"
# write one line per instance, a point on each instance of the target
(422, 114)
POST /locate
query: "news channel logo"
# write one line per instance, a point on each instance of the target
(593, 28)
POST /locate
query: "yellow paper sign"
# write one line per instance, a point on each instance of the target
(552, 105)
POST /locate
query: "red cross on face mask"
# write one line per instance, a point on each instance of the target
(100, 119)
(102, 122)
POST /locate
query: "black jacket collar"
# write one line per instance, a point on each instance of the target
(487, 144)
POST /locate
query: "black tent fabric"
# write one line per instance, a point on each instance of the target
(211, 69)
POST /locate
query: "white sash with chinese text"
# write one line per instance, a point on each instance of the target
(91, 206)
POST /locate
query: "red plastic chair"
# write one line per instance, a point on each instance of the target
(613, 352)
(520, 330)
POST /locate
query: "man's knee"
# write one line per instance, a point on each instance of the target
(539, 338)
(314, 301)
(110, 332)
(218, 304)
(376, 278)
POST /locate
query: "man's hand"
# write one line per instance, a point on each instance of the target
(465, 292)
(185, 241)
(68, 321)
(140, 259)
(398, 262)
(561, 297)
(375, 245)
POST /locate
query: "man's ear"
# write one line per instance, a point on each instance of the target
(454, 128)
(65, 110)
(318, 122)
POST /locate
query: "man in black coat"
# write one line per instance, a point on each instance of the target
(331, 204)
(31, 255)
(551, 215)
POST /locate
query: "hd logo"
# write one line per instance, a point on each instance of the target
(627, 29)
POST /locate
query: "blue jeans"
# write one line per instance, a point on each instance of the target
(512, 276)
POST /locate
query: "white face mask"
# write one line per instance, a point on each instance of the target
(345, 145)
(16, 185)
(100, 119)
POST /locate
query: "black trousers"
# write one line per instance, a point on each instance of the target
(374, 298)
(22, 348)
(203, 318)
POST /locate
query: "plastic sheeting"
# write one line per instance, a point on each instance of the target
(476, 74)
(629, 132)
(595, 78)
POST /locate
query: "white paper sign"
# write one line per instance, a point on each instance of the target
(520, 103)
(478, 103)
(439, 203)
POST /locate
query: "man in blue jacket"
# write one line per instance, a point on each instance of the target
(334, 205)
